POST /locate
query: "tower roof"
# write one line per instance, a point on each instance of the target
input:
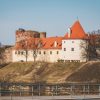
(77, 31)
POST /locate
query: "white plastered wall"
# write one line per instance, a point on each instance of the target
(47, 57)
(76, 54)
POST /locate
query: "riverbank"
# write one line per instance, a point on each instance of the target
(59, 72)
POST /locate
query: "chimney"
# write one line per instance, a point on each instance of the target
(69, 32)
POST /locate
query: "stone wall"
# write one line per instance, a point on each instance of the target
(22, 34)
(7, 56)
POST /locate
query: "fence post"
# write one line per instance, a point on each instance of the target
(32, 92)
(39, 90)
(11, 91)
(52, 90)
(84, 90)
(99, 89)
(56, 90)
(71, 90)
(0, 89)
(20, 91)
(88, 88)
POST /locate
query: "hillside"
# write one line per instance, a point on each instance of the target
(88, 73)
(35, 72)
(50, 72)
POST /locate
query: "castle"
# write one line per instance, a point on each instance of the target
(35, 46)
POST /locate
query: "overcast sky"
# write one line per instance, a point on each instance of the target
(52, 16)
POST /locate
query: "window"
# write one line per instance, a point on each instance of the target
(26, 52)
(64, 49)
(57, 52)
(15, 52)
(72, 41)
(39, 52)
(18, 52)
(50, 52)
(22, 53)
(34, 52)
(72, 49)
(44, 52)
(64, 41)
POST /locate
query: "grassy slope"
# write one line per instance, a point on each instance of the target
(88, 73)
(34, 72)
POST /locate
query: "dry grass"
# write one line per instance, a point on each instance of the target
(90, 72)
(31, 72)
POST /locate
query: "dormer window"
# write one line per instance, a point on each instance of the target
(39, 45)
(55, 44)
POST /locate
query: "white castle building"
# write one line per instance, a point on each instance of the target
(32, 45)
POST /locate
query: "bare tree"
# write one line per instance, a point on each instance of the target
(85, 49)
(88, 49)
(24, 45)
(31, 44)
(2, 50)
(36, 46)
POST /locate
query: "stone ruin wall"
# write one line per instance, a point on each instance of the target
(22, 34)
(7, 56)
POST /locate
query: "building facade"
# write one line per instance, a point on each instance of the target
(35, 46)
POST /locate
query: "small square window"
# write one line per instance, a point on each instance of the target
(39, 52)
(44, 52)
(15, 52)
(50, 52)
(22, 53)
(64, 49)
(18, 52)
(72, 41)
(57, 52)
(72, 49)
(26, 52)
(34, 52)
(64, 41)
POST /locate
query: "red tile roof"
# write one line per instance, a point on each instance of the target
(77, 32)
(49, 43)
(46, 43)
